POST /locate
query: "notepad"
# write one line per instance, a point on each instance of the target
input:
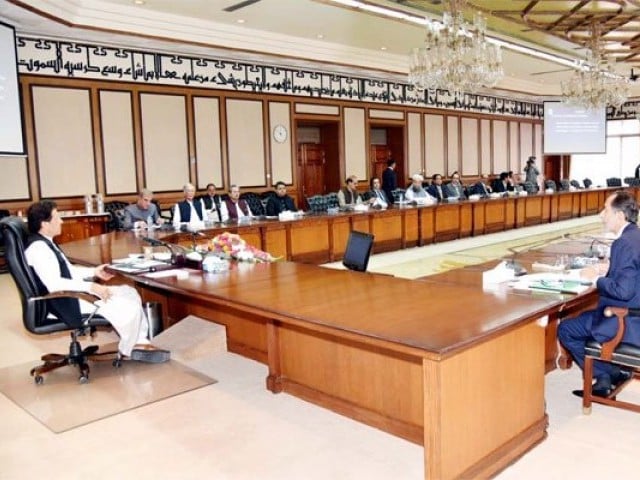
(561, 286)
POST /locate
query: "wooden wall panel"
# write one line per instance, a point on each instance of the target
(14, 181)
(470, 157)
(245, 139)
(500, 147)
(415, 161)
(164, 134)
(281, 158)
(116, 118)
(355, 149)
(206, 112)
(514, 146)
(64, 139)
(526, 146)
(485, 146)
(453, 149)
(434, 144)
(538, 140)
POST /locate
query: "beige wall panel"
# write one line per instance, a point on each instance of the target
(538, 140)
(526, 146)
(453, 150)
(415, 161)
(514, 146)
(206, 112)
(64, 139)
(164, 140)
(355, 151)
(246, 143)
(14, 182)
(485, 146)
(470, 155)
(387, 114)
(500, 146)
(117, 142)
(317, 109)
(281, 163)
(434, 144)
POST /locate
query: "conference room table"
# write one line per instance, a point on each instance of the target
(442, 363)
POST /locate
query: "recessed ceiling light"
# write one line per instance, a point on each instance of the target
(139, 2)
(383, 48)
(240, 20)
(320, 36)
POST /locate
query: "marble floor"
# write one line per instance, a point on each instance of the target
(235, 429)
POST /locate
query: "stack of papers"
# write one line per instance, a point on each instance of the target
(552, 283)
(133, 265)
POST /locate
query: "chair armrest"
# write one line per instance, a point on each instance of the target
(89, 297)
(609, 346)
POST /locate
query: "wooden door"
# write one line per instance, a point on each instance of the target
(311, 170)
(379, 156)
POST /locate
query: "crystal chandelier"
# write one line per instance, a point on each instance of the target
(595, 84)
(455, 56)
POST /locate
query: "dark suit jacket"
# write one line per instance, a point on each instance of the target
(497, 186)
(433, 191)
(389, 182)
(276, 205)
(620, 287)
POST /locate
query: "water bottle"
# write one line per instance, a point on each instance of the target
(150, 221)
(99, 203)
(88, 204)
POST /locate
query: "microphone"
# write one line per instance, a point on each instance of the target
(596, 252)
(517, 267)
(178, 252)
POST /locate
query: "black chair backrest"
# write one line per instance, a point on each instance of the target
(565, 184)
(34, 314)
(550, 184)
(530, 187)
(587, 182)
(574, 184)
(356, 256)
(115, 210)
(254, 202)
(614, 182)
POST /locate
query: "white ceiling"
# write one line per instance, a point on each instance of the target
(274, 31)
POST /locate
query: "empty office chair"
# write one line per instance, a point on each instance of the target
(575, 184)
(398, 193)
(614, 351)
(550, 185)
(565, 185)
(587, 183)
(36, 308)
(254, 202)
(331, 200)
(316, 203)
(356, 256)
(115, 209)
(632, 181)
(614, 182)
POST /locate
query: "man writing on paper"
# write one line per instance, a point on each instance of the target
(620, 287)
(120, 305)
(143, 213)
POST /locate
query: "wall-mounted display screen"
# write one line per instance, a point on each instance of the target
(569, 129)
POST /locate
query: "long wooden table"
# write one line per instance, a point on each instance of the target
(443, 364)
(321, 238)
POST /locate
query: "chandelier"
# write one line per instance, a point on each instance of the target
(455, 56)
(595, 84)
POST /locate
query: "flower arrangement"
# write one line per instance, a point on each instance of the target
(231, 245)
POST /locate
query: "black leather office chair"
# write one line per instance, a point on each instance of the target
(575, 184)
(550, 185)
(115, 209)
(565, 185)
(614, 182)
(254, 202)
(3, 263)
(587, 182)
(615, 352)
(35, 309)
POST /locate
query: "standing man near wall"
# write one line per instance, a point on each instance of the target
(389, 180)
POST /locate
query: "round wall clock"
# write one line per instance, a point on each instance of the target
(280, 133)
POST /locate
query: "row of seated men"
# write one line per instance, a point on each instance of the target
(210, 207)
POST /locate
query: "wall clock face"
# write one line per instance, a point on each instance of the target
(280, 133)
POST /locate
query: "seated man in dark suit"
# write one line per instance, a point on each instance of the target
(212, 204)
(280, 202)
(454, 188)
(480, 188)
(436, 189)
(620, 287)
(376, 197)
(501, 184)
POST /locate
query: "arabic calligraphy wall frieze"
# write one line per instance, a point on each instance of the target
(74, 60)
